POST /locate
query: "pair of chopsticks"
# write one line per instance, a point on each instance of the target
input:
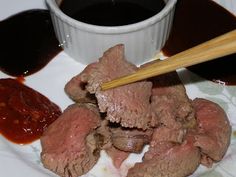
(210, 50)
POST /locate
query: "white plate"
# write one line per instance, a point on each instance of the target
(24, 161)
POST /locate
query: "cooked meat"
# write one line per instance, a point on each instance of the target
(181, 133)
(117, 156)
(176, 114)
(171, 153)
(213, 132)
(167, 159)
(76, 87)
(104, 132)
(164, 133)
(128, 105)
(170, 101)
(130, 140)
(70, 147)
(157, 148)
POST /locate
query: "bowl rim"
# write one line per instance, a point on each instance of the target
(54, 9)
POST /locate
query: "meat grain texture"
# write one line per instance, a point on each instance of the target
(181, 133)
(213, 131)
(122, 105)
(69, 145)
(130, 140)
(170, 101)
(172, 161)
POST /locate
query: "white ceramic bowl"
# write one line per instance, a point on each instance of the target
(86, 43)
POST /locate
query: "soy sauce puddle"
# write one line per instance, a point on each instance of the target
(197, 21)
(28, 42)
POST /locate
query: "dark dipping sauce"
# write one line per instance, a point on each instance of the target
(28, 42)
(24, 112)
(197, 21)
(111, 12)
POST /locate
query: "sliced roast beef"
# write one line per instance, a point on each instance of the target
(117, 156)
(104, 132)
(128, 105)
(76, 87)
(170, 101)
(164, 138)
(130, 140)
(168, 159)
(165, 134)
(181, 133)
(213, 131)
(70, 146)
(171, 153)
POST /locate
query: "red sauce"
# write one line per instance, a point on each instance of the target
(197, 21)
(24, 112)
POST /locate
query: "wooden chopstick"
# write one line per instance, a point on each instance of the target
(212, 49)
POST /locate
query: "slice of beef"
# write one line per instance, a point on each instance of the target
(170, 101)
(117, 156)
(167, 159)
(128, 105)
(130, 140)
(70, 147)
(105, 134)
(213, 131)
(163, 139)
(76, 87)
(164, 133)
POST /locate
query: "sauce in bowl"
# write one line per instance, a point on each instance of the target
(111, 12)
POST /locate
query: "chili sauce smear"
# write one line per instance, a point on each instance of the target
(24, 112)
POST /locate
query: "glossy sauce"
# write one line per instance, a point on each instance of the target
(111, 13)
(28, 42)
(24, 112)
(197, 21)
